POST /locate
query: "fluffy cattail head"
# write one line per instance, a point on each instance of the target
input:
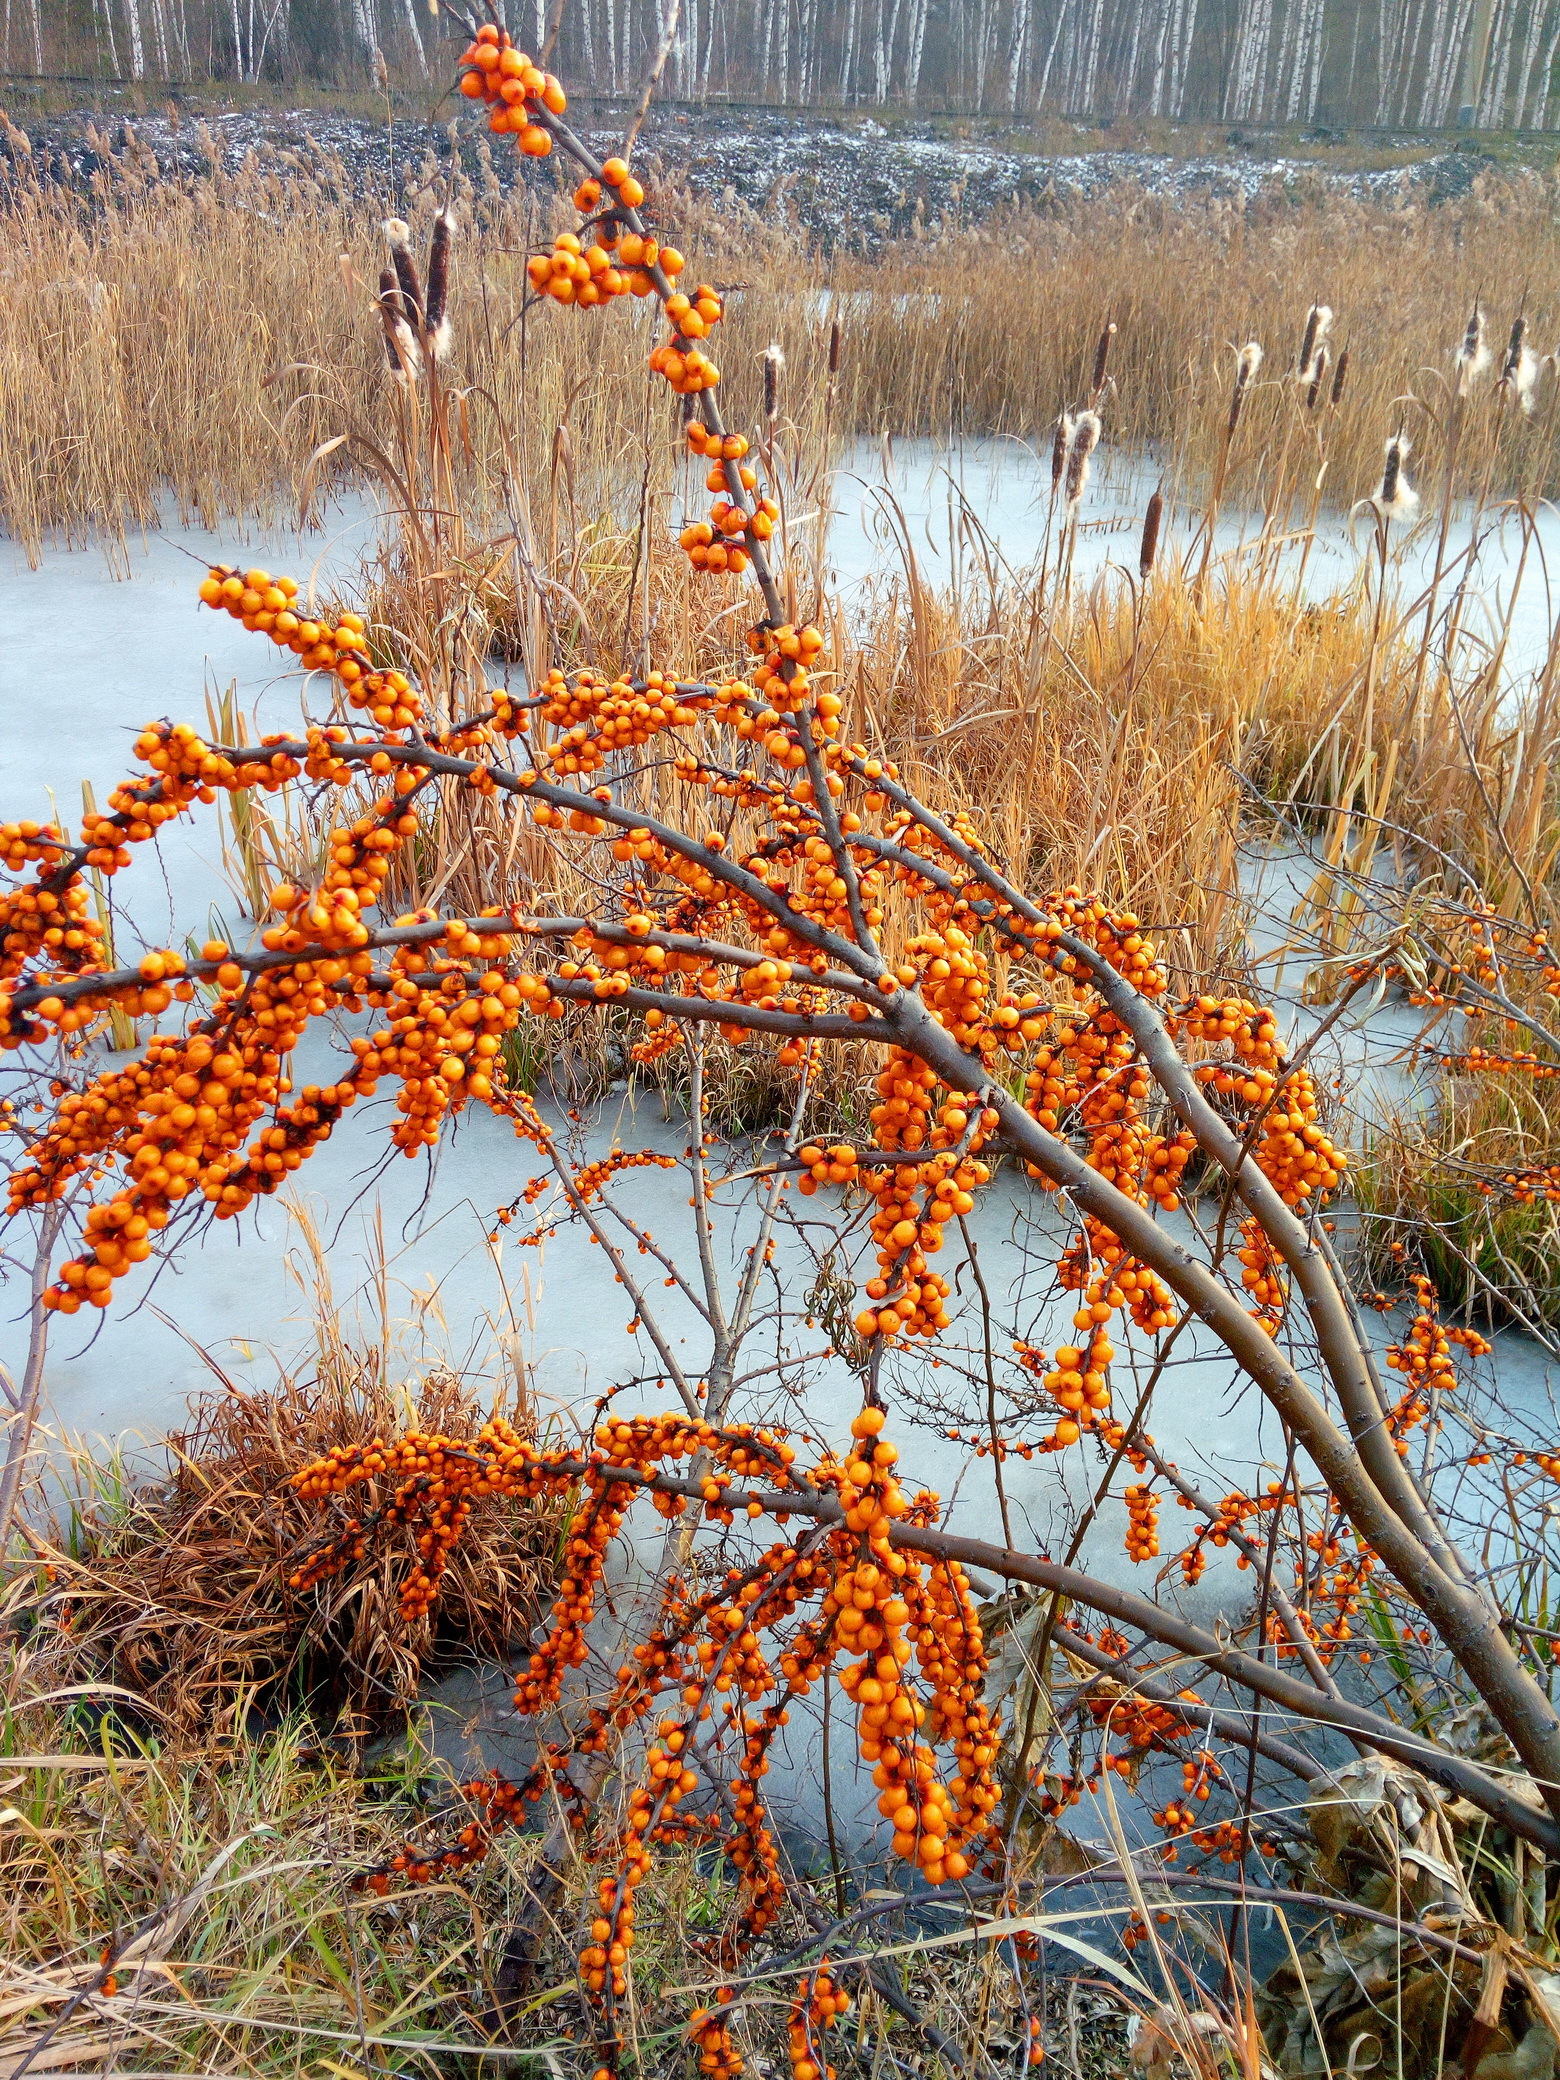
(1245, 368)
(774, 363)
(1101, 362)
(1085, 438)
(1524, 379)
(1473, 356)
(1059, 446)
(1513, 356)
(1318, 323)
(1397, 497)
(400, 341)
(1318, 377)
(399, 239)
(439, 256)
(1148, 549)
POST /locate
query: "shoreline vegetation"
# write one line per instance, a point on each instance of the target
(599, 774)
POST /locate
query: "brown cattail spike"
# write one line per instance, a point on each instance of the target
(1085, 438)
(1340, 377)
(835, 343)
(774, 362)
(439, 256)
(1473, 356)
(400, 341)
(1059, 444)
(1318, 323)
(1513, 360)
(1101, 362)
(1149, 548)
(1318, 377)
(1245, 368)
(399, 239)
(1397, 497)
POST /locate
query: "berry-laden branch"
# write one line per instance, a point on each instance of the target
(787, 887)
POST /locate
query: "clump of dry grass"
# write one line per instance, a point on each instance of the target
(175, 1589)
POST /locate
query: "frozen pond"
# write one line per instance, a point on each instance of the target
(988, 503)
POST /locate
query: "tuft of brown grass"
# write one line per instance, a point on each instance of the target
(175, 1589)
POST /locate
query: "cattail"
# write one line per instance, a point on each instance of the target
(1149, 547)
(1318, 323)
(439, 283)
(1397, 497)
(1473, 356)
(1511, 366)
(1085, 438)
(836, 341)
(1101, 359)
(399, 239)
(400, 341)
(1059, 447)
(1318, 377)
(774, 362)
(1245, 368)
(1340, 376)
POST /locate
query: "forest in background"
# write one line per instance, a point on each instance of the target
(1415, 64)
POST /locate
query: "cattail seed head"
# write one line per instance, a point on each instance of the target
(439, 254)
(1318, 377)
(1473, 356)
(1059, 447)
(1513, 356)
(401, 350)
(1340, 377)
(1149, 547)
(1085, 438)
(1101, 362)
(1397, 497)
(399, 239)
(774, 362)
(1245, 368)
(1318, 323)
(836, 341)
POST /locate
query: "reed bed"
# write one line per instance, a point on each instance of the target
(187, 344)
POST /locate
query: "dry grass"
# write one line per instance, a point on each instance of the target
(200, 338)
(175, 1589)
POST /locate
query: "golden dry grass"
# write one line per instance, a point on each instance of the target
(199, 337)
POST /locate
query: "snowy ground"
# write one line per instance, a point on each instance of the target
(850, 178)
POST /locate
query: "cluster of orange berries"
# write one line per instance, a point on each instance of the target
(784, 677)
(856, 1594)
(1142, 1522)
(1295, 1154)
(818, 2002)
(710, 2036)
(914, 1202)
(1424, 1359)
(515, 91)
(685, 365)
(269, 604)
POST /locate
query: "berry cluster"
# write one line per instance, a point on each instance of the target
(515, 92)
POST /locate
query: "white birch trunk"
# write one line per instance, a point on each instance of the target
(916, 52)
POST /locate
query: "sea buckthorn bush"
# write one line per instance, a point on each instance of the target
(783, 887)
